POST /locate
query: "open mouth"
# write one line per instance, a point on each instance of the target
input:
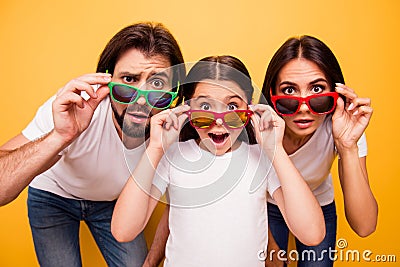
(218, 138)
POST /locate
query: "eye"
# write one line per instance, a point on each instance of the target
(232, 106)
(157, 84)
(316, 89)
(288, 90)
(129, 79)
(205, 106)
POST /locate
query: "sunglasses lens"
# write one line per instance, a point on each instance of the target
(123, 93)
(287, 106)
(159, 99)
(236, 119)
(201, 119)
(322, 104)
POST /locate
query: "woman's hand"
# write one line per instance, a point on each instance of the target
(351, 118)
(165, 127)
(269, 128)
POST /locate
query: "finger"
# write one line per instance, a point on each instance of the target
(345, 91)
(180, 109)
(102, 93)
(84, 83)
(181, 120)
(67, 99)
(364, 110)
(359, 102)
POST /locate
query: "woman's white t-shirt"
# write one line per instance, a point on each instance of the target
(314, 161)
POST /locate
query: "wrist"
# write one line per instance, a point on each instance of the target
(58, 141)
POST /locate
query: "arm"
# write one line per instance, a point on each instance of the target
(139, 196)
(299, 207)
(21, 160)
(157, 249)
(16, 172)
(349, 122)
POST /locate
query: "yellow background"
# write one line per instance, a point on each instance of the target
(44, 44)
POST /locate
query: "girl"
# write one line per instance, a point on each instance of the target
(302, 83)
(217, 177)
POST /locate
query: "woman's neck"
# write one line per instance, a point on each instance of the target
(292, 142)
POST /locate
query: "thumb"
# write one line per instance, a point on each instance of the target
(181, 120)
(102, 93)
(339, 108)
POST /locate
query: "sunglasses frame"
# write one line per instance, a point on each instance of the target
(220, 115)
(306, 100)
(144, 93)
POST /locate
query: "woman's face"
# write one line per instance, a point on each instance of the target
(301, 77)
(218, 96)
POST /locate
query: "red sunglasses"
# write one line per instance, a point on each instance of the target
(233, 119)
(286, 105)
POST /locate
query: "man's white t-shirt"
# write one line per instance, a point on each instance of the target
(94, 167)
(314, 161)
(217, 205)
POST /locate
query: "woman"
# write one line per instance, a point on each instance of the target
(324, 118)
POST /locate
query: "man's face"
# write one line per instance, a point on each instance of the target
(135, 69)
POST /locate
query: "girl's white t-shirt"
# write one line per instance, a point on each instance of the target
(95, 166)
(217, 205)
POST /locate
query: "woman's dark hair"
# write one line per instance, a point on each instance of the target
(218, 68)
(306, 47)
(151, 39)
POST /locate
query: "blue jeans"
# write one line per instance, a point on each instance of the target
(314, 256)
(55, 225)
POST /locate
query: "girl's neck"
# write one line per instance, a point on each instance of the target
(235, 146)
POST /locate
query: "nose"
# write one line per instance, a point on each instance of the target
(303, 107)
(141, 100)
(219, 122)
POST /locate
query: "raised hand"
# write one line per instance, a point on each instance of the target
(71, 112)
(165, 127)
(269, 128)
(351, 118)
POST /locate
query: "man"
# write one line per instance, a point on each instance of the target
(74, 153)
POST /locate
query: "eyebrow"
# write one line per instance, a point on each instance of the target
(312, 82)
(137, 75)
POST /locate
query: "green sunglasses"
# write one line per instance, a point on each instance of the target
(126, 94)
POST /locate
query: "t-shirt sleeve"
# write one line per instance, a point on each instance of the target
(362, 146)
(161, 177)
(42, 123)
(273, 181)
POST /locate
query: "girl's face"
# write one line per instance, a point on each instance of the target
(218, 96)
(301, 77)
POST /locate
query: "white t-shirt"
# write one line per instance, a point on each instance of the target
(94, 166)
(217, 205)
(314, 161)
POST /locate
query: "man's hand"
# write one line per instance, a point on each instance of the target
(71, 112)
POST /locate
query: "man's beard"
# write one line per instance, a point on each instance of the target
(134, 130)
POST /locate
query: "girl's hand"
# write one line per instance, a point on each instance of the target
(165, 127)
(351, 118)
(269, 128)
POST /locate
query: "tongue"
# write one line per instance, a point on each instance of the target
(218, 138)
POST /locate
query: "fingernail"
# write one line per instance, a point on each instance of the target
(339, 89)
(351, 106)
(355, 112)
(339, 84)
(107, 79)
